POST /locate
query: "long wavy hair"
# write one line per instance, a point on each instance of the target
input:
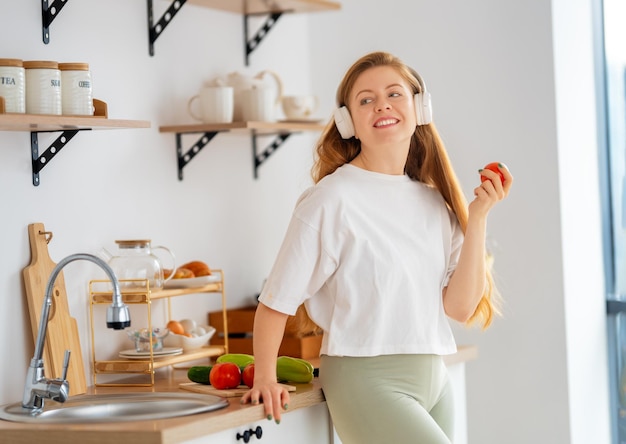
(427, 162)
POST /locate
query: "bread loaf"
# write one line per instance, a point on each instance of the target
(183, 273)
(198, 268)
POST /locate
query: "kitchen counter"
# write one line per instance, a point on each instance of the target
(173, 430)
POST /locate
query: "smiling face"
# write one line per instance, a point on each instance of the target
(382, 108)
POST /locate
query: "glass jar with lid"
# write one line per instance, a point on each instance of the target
(135, 260)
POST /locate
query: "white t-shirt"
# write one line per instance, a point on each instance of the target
(369, 254)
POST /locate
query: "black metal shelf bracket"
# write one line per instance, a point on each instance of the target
(49, 11)
(185, 157)
(39, 162)
(260, 158)
(252, 43)
(155, 30)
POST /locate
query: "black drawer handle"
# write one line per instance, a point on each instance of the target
(258, 432)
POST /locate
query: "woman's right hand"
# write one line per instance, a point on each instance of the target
(269, 327)
(274, 396)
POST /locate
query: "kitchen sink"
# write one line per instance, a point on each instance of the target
(115, 408)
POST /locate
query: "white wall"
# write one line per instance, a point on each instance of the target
(123, 184)
(498, 73)
(508, 85)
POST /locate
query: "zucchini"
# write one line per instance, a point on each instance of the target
(241, 359)
(290, 369)
(200, 373)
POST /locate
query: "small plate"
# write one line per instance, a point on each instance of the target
(166, 351)
(200, 281)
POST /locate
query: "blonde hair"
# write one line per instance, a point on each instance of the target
(427, 162)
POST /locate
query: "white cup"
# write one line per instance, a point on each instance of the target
(216, 104)
(77, 98)
(43, 87)
(299, 107)
(12, 85)
(258, 104)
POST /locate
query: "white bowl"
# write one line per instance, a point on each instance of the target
(187, 343)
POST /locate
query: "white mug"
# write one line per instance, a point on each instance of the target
(258, 104)
(299, 107)
(216, 104)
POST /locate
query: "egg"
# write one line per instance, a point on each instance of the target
(200, 331)
(188, 325)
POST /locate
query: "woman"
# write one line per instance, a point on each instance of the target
(381, 252)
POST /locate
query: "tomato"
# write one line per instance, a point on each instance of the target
(493, 166)
(225, 375)
(247, 376)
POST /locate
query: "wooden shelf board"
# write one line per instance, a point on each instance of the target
(144, 366)
(142, 297)
(46, 122)
(263, 6)
(215, 287)
(260, 127)
(100, 292)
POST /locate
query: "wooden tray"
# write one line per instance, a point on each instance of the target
(232, 393)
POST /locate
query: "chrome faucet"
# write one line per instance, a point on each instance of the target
(38, 387)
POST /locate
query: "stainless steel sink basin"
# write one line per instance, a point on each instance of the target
(115, 408)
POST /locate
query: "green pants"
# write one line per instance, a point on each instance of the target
(389, 399)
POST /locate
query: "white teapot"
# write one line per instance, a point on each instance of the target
(254, 99)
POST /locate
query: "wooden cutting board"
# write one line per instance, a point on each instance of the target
(210, 390)
(62, 331)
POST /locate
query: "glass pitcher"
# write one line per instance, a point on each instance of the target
(135, 260)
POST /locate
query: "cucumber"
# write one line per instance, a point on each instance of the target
(200, 373)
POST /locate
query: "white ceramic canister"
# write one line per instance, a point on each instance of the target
(12, 84)
(76, 95)
(43, 87)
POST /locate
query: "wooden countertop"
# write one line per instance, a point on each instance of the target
(173, 430)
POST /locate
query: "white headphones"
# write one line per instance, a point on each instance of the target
(423, 111)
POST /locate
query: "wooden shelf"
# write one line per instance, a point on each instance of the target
(247, 8)
(147, 366)
(99, 294)
(258, 127)
(281, 130)
(264, 7)
(46, 122)
(68, 126)
(142, 297)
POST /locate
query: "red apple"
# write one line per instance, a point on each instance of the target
(493, 166)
